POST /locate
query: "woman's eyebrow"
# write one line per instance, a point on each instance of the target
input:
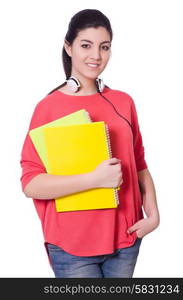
(92, 42)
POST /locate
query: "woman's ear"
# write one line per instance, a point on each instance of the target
(67, 47)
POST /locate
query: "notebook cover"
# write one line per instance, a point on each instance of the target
(77, 149)
(36, 134)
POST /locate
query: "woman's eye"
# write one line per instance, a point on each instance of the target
(104, 47)
(84, 45)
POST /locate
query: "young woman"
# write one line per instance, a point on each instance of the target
(103, 242)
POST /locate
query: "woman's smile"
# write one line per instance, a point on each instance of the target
(93, 66)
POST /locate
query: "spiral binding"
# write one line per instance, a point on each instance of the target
(110, 156)
(109, 150)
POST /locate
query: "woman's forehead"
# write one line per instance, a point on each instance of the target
(93, 34)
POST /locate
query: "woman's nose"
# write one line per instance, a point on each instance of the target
(96, 54)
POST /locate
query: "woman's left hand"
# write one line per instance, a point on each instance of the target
(144, 226)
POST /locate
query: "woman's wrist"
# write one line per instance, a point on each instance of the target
(91, 180)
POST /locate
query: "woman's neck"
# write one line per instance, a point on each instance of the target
(81, 92)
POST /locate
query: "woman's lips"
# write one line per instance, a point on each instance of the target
(93, 66)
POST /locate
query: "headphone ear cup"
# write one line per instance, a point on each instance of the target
(100, 84)
(73, 84)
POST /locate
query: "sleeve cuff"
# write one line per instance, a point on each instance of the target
(141, 165)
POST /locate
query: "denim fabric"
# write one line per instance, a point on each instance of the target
(121, 263)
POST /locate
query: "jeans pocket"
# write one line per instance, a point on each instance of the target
(139, 240)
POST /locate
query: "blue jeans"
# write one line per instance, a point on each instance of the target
(121, 263)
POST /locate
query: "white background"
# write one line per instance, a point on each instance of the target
(146, 62)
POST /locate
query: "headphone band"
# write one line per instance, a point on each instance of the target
(74, 84)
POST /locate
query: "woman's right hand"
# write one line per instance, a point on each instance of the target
(108, 173)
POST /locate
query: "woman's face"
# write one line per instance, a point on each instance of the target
(92, 45)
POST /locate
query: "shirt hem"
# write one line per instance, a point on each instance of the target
(104, 252)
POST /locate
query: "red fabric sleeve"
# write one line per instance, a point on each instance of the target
(30, 161)
(139, 151)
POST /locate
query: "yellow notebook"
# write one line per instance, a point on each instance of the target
(36, 134)
(77, 149)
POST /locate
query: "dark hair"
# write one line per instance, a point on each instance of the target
(83, 19)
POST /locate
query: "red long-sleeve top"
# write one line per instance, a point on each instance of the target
(100, 231)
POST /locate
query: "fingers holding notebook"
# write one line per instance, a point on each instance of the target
(108, 173)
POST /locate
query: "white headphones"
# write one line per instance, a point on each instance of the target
(74, 84)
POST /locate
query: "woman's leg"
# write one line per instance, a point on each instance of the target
(122, 263)
(66, 265)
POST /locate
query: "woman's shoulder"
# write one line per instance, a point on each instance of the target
(120, 95)
(41, 111)
(45, 103)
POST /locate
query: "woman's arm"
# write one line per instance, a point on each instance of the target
(148, 194)
(150, 206)
(47, 186)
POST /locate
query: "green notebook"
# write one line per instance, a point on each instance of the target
(37, 136)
